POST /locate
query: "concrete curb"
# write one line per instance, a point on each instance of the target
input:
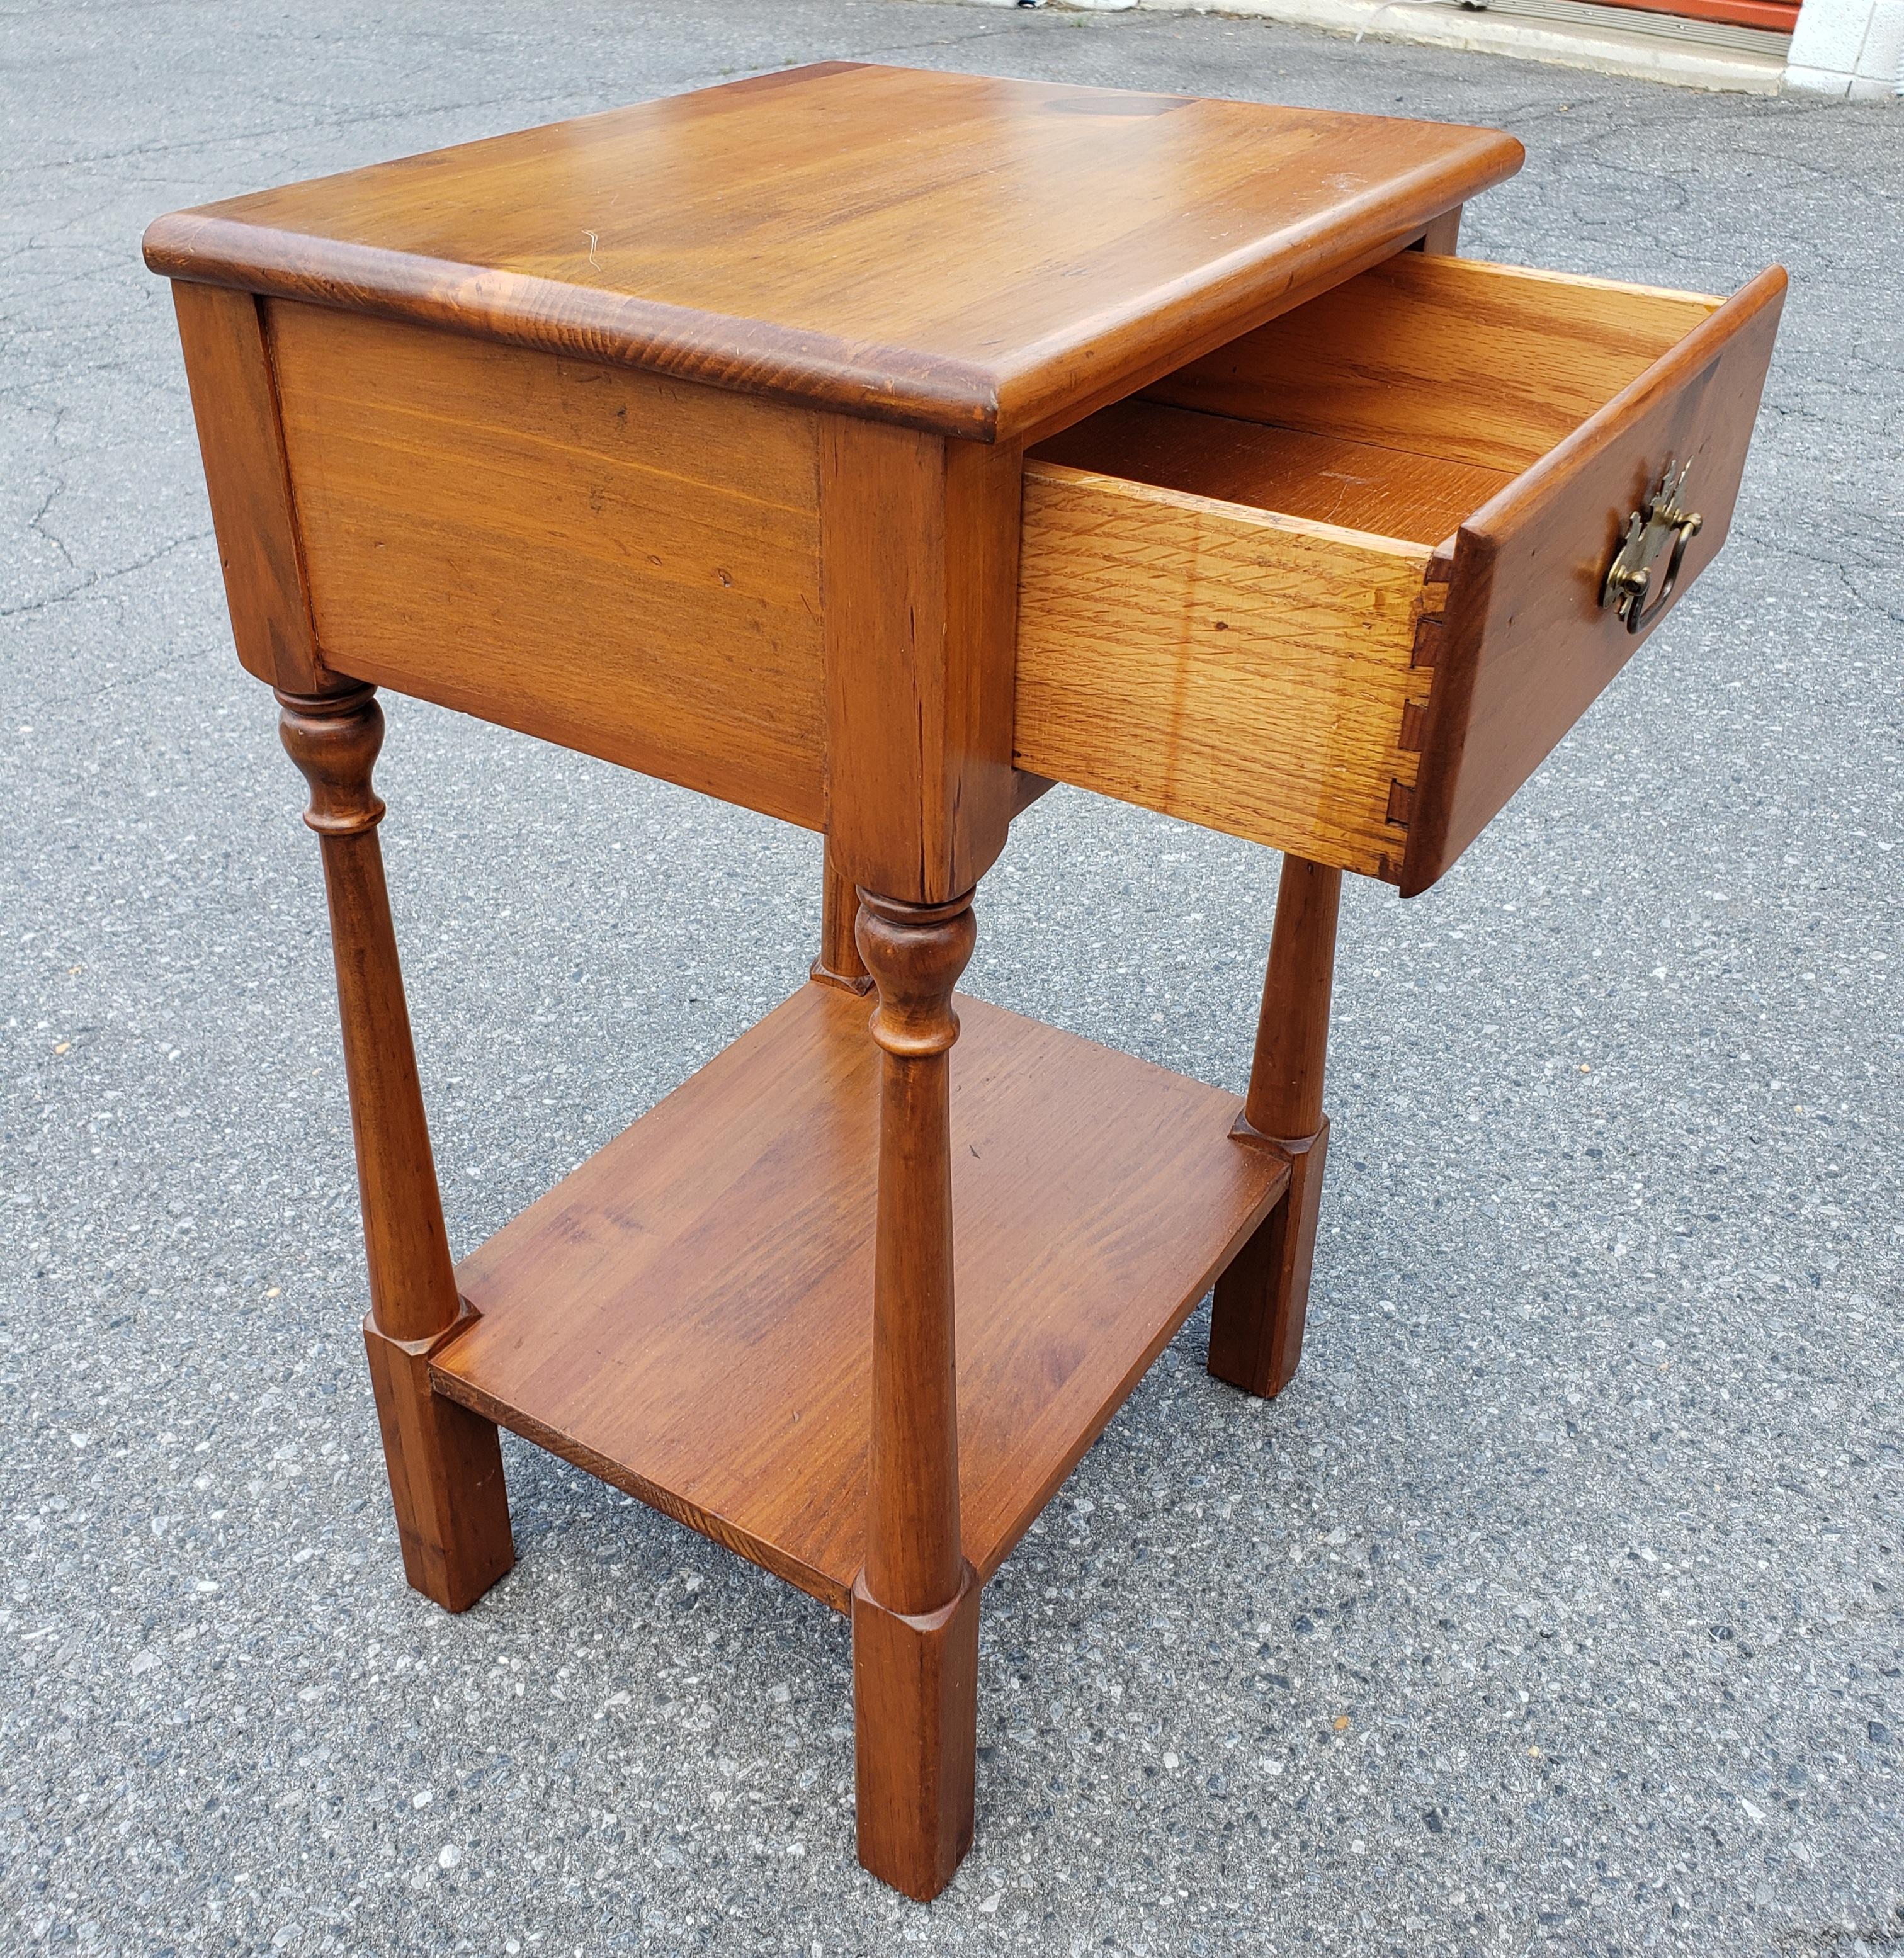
(1446, 24)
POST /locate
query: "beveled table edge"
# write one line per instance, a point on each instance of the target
(1060, 379)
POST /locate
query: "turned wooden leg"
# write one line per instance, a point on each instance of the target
(1261, 1302)
(445, 1467)
(839, 963)
(915, 1607)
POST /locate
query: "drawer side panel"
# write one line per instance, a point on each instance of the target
(1229, 666)
(618, 563)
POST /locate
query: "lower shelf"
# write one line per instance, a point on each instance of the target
(688, 1314)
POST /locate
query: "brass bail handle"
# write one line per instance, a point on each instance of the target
(1629, 587)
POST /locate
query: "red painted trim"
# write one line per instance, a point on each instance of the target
(1776, 17)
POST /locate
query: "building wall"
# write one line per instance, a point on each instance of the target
(1847, 48)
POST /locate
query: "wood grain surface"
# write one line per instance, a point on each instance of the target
(1491, 365)
(1232, 667)
(965, 254)
(837, 962)
(914, 1559)
(1353, 485)
(1195, 638)
(241, 442)
(446, 1467)
(1527, 646)
(619, 562)
(919, 542)
(915, 1601)
(915, 1736)
(689, 1314)
(1261, 1304)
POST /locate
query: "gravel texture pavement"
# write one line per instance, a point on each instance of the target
(1555, 1606)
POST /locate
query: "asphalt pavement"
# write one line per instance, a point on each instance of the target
(1555, 1605)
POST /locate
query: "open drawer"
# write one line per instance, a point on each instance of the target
(1339, 586)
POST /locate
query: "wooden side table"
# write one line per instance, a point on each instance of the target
(872, 449)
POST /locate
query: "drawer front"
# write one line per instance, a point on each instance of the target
(1524, 645)
(616, 562)
(1336, 587)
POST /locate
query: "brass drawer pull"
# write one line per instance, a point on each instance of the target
(1629, 586)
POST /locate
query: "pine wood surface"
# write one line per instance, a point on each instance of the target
(914, 1558)
(622, 563)
(1455, 358)
(446, 1481)
(915, 1600)
(1526, 645)
(445, 1467)
(837, 961)
(915, 1732)
(1351, 484)
(234, 402)
(919, 543)
(1284, 1100)
(1232, 667)
(1195, 638)
(688, 1314)
(693, 436)
(1261, 1303)
(965, 254)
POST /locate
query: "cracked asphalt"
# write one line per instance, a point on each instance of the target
(1555, 1607)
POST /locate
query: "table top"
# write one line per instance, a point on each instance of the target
(976, 256)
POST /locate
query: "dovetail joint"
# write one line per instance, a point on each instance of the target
(1424, 656)
(1426, 650)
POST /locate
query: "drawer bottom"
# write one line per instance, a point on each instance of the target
(1354, 485)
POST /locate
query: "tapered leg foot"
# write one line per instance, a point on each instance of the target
(1262, 1301)
(445, 1476)
(445, 1467)
(915, 1719)
(915, 1607)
